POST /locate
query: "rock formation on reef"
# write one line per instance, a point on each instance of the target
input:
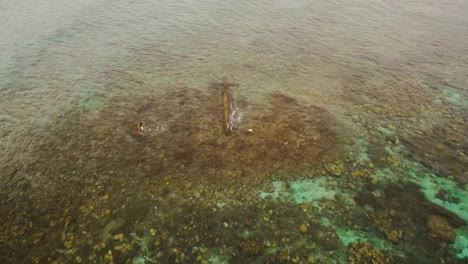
(440, 228)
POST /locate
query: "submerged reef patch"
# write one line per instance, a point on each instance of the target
(183, 134)
(401, 213)
(96, 176)
(443, 149)
(163, 177)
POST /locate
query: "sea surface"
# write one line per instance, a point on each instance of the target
(280, 131)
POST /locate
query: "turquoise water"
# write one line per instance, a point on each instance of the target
(349, 140)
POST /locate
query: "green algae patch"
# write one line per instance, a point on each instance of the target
(452, 95)
(310, 190)
(304, 191)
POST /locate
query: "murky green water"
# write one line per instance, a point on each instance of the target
(349, 141)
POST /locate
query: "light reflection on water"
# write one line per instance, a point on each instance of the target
(357, 150)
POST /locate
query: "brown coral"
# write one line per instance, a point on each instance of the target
(386, 221)
(440, 228)
(250, 247)
(366, 253)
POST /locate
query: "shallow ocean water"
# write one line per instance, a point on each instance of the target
(349, 144)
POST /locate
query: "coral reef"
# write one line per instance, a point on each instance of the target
(179, 173)
(386, 221)
(250, 247)
(366, 253)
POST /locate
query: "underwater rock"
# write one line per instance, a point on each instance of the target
(440, 228)
(250, 247)
(365, 253)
